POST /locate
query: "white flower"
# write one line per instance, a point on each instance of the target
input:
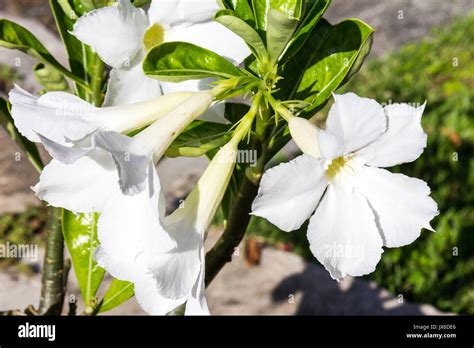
(121, 34)
(164, 256)
(89, 177)
(68, 120)
(358, 207)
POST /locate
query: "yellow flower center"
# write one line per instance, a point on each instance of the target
(153, 36)
(336, 166)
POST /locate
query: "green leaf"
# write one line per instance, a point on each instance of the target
(261, 8)
(30, 148)
(279, 32)
(292, 8)
(244, 30)
(313, 13)
(80, 235)
(244, 11)
(14, 36)
(204, 137)
(180, 61)
(82, 59)
(50, 79)
(199, 138)
(260, 12)
(325, 60)
(118, 292)
(84, 6)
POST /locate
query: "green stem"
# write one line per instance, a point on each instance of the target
(52, 281)
(97, 81)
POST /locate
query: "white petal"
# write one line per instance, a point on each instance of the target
(131, 158)
(115, 33)
(64, 154)
(176, 12)
(146, 292)
(305, 135)
(343, 234)
(123, 223)
(353, 123)
(222, 41)
(214, 114)
(81, 187)
(130, 85)
(59, 116)
(197, 303)
(177, 270)
(401, 204)
(403, 141)
(290, 192)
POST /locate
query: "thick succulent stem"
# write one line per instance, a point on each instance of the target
(52, 281)
(239, 219)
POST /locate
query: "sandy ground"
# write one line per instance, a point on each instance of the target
(283, 283)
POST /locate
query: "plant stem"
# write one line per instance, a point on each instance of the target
(52, 281)
(239, 219)
(98, 69)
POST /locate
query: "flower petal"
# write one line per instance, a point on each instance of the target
(132, 159)
(290, 192)
(177, 270)
(63, 153)
(116, 32)
(178, 12)
(123, 225)
(222, 41)
(343, 234)
(197, 303)
(82, 187)
(403, 141)
(353, 123)
(401, 204)
(59, 116)
(129, 85)
(146, 292)
(214, 114)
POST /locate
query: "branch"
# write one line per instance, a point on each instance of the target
(52, 281)
(222, 251)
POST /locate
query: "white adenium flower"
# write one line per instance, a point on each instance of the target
(164, 256)
(68, 120)
(121, 35)
(89, 177)
(358, 207)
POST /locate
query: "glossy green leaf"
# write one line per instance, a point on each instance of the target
(82, 59)
(180, 61)
(292, 8)
(279, 32)
(261, 8)
(312, 14)
(6, 121)
(325, 60)
(244, 30)
(118, 292)
(80, 236)
(84, 6)
(199, 138)
(50, 79)
(14, 36)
